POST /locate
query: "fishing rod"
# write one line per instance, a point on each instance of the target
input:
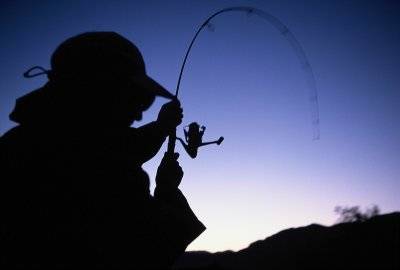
(194, 135)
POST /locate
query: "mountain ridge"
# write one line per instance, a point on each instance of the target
(370, 244)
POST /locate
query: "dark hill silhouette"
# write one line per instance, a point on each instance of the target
(372, 244)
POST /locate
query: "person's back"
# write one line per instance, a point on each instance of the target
(73, 192)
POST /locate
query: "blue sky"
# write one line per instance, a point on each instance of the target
(243, 81)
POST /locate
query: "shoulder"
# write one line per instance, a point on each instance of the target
(12, 136)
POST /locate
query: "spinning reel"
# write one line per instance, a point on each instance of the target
(194, 139)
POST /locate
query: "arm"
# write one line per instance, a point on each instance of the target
(148, 139)
(181, 224)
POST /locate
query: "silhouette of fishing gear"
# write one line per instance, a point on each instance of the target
(195, 143)
(193, 136)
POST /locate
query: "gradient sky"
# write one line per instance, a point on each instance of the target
(243, 81)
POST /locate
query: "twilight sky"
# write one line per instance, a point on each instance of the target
(243, 81)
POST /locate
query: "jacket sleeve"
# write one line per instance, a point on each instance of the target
(180, 224)
(151, 137)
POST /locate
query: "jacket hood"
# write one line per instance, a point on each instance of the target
(32, 107)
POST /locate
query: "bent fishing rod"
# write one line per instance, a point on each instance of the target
(194, 134)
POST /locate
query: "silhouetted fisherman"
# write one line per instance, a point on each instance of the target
(73, 192)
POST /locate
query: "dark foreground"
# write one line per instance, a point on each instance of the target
(372, 244)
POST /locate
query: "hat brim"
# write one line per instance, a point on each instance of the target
(153, 87)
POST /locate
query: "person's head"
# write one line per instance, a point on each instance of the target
(106, 73)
